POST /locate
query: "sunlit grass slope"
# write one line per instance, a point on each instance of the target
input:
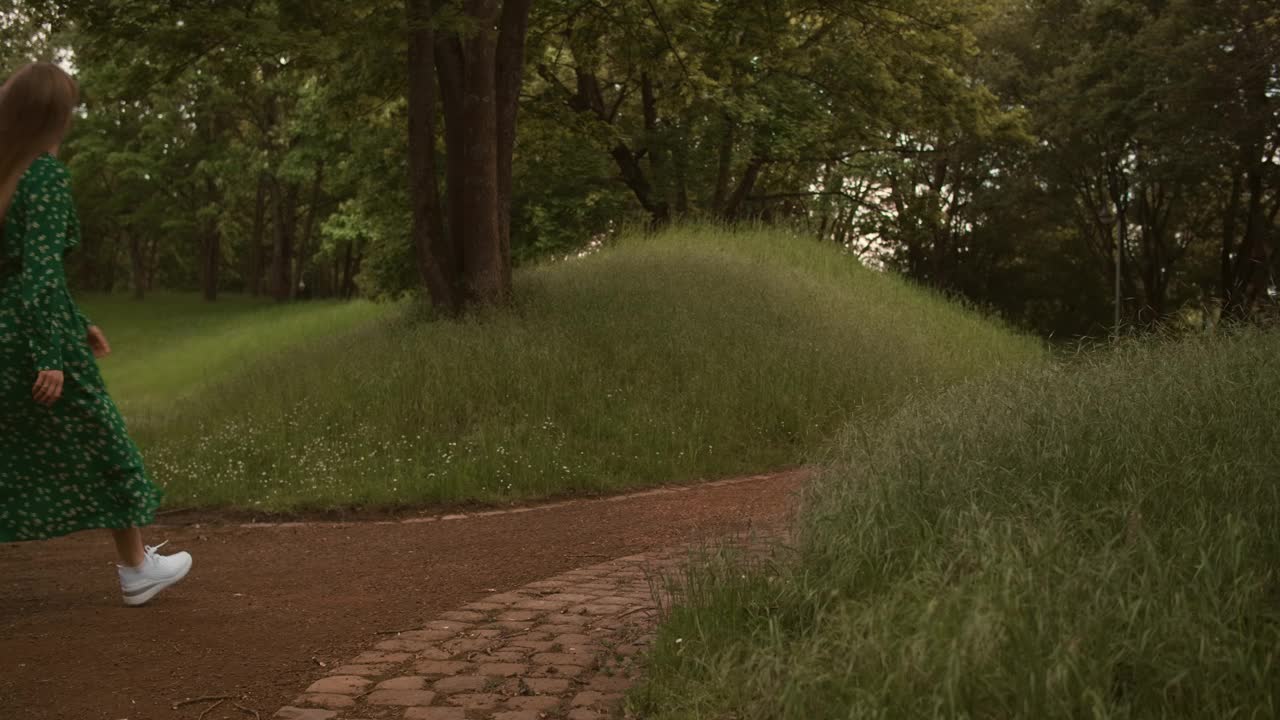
(695, 354)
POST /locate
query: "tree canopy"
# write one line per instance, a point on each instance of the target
(332, 148)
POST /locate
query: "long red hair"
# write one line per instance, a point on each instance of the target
(36, 104)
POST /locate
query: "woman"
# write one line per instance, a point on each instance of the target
(66, 461)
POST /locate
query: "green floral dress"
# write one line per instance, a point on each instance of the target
(70, 467)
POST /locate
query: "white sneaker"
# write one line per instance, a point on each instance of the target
(156, 573)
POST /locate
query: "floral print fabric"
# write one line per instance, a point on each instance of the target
(72, 466)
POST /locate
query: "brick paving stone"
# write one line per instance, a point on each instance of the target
(573, 640)
(546, 686)
(509, 655)
(401, 698)
(339, 685)
(441, 667)
(427, 635)
(607, 684)
(593, 610)
(454, 625)
(435, 713)
(538, 703)
(559, 649)
(476, 701)
(533, 645)
(508, 598)
(570, 597)
(520, 616)
(402, 645)
(540, 606)
(362, 670)
(561, 658)
(467, 616)
(614, 600)
(411, 682)
(461, 683)
(556, 671)
(466, 645)
(544, 585)
(380, 657)
(518, 715)
(327, 701)
(587, 698)
(502, 669)
(513, 626)
(560, 624)
(294, 713)
(585, 650)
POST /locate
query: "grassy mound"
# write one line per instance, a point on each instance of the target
(1099, 541)
(695, 354)
(174, 346)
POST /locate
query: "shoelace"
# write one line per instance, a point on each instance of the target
(151, 549)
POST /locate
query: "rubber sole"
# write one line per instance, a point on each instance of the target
(142, 597)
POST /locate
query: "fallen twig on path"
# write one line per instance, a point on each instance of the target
(210, 708)
(633, 611)
(248, 711)
(206, 698)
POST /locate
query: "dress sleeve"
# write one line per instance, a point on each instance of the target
(73, 240)
(43, 280)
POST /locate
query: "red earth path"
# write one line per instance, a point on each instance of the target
(267, 609)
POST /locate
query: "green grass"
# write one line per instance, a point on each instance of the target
(696, 354)
(1099, 540)
(174, 346)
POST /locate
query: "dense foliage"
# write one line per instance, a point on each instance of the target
(262, 146)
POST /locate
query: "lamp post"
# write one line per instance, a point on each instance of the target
(1107, 216)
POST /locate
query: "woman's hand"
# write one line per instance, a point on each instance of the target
(48, 387)
(98, 342)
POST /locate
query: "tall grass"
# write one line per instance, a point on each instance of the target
(698, 353)
(1096, 541)
(173, 346)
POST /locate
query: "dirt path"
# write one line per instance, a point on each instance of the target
(264, 607)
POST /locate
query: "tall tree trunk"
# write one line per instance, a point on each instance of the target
(480, 75)
(351, 270)
(303, 255)
(343, 270)
(210, 245)
(112, 262)
(1250, 272)
(657, 152)
(137, 265)
(1230, 215)
(435, 251)
(481, 244)
(210, 253)
(153, 263)
(449, 71)
(286, 218)
(257, 238)
(733, 207)
(724, 167)
(512, 30)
